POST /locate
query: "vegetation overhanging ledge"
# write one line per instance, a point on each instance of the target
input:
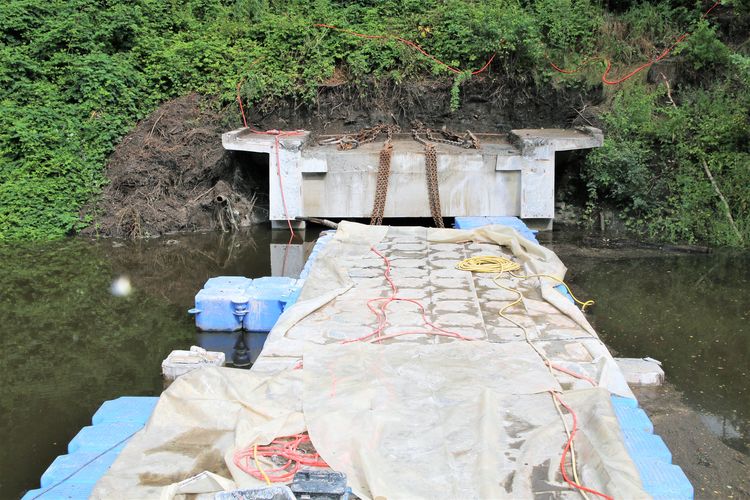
(77, 75)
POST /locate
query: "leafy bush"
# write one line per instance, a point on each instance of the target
(76, 76)
(652, 162)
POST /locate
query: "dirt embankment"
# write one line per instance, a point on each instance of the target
(172, 174)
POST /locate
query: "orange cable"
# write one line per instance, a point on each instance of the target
(637, 70)
(567, 449)
(408, 43)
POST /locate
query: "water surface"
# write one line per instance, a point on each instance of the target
(68, 344)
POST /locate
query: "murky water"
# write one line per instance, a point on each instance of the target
(68, 344)
(688, 311)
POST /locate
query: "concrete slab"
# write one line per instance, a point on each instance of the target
(641, 371)
(509, 175)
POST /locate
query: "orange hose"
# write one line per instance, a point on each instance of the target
(408, 43)
(605, 76)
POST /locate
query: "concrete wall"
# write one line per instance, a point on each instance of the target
(507, 176)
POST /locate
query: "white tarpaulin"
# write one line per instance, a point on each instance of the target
(417, 416)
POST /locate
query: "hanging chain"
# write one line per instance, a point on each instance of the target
(384, 172)
(430, 161)
(425, 136)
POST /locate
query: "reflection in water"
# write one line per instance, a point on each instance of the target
(688, 311)
(69, 344)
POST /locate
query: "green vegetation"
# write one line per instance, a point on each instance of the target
(76, 75)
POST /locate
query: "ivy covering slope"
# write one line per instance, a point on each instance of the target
(75, 76)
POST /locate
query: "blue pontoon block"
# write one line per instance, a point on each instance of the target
(664, 481)
(267, 298)
(136, 409)
(633, 419)
(647, 446)
(94, 449)
(85, 467)
(514, 222)
(322, 241)
(220, 308)
(227, 282)
(651, 456)
(65, 491)
(98, 438)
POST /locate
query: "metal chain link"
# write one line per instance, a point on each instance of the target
(430, 160)
(384, 172)
(367, 135)
(351, 141)
(381, 188)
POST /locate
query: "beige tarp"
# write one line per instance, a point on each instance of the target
(417, 417)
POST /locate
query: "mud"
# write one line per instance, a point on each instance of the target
(714, 469)
(172, 174)
(488, 103)
(210, 460)
(197, 443)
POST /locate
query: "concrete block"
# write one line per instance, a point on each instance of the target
(641, 371)
(277, 492)
(125, 409)
(181, 362)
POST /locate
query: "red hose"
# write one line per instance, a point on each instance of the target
(408, 43)
(286, 447)
(381, 313)
(647, 64)
(566, 450)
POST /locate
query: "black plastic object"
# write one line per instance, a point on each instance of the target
(241, 356)
(319, 485)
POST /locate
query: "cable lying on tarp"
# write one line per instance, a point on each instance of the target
(494, 264)
(287, 453)
(500, 265)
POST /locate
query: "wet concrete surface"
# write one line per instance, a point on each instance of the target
(68, 344)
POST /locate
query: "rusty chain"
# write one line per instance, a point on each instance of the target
(366, 135)
(430, 160)
(384, 172)
(467, 141)
(421, 134)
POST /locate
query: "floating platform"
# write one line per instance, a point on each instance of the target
(93, 450)
(462, 407)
